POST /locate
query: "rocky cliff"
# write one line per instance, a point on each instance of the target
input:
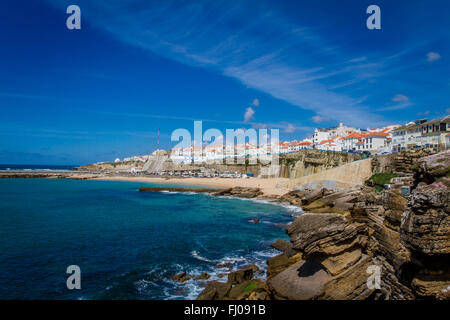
(365, 244)
(307, 162)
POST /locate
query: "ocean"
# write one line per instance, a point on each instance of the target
(127, 243)
(36, 167)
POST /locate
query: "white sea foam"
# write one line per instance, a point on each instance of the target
(199, 257)
(292, 208)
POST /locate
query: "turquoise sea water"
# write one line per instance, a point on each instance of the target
(127, 243)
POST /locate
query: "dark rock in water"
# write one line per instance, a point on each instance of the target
(240, 192)
(214, 290)
(224, 265)
(203, 276)
(241, 275)
(181, 277)
(251, 266)
(223, 192)
(178, 276)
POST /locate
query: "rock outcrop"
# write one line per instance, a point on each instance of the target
(406, 238)
(240, 192)
(361, 243)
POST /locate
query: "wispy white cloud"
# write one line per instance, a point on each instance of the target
(400, 97)
(433, 56)
(290, 128)
(284, 126)
(292, 72)
(319, 119)
(249, 114)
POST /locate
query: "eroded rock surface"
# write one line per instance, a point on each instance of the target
(361, 243)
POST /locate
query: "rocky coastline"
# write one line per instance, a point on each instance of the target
(365, 242)
(359, 243)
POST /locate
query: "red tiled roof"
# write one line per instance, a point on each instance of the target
(355, 135)
(377, 134)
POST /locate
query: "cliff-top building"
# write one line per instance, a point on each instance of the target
(422, 133)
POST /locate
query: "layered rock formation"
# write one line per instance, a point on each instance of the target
(364, 244)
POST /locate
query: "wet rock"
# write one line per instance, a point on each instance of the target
(203, 276)
(181, 277)
(253, 267)
(214, 290)
(241, 275)
(224, 265)
(224, 192)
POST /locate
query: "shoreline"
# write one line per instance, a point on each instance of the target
(270, 187)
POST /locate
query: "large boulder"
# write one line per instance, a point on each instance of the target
(312, 196)
(214, 290)
(241, 275)
(302, 281)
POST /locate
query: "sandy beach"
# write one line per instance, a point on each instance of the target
(275, 186)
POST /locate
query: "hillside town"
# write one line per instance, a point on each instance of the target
(420, 133)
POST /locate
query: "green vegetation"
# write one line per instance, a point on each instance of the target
(251, 286)
(314, 205)
(380, 179)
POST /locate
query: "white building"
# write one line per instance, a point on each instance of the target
(375, 141)
(319, 135)
(352, 142)
(323, 134)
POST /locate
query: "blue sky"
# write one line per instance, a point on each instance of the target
(79, 96)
